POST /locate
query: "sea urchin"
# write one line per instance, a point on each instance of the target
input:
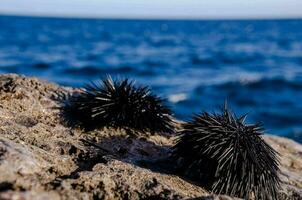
(228, 156)
(118, 104)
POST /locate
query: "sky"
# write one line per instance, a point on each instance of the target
(195, 9)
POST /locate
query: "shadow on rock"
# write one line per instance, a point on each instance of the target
(138, 151)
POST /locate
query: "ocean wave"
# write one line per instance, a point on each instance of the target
(98, 70)
(41, 66)
(87, 70)
(199, 60)
(237, 57)
(273, 84)
(175, 98)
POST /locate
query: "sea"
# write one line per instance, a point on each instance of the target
(197, 65)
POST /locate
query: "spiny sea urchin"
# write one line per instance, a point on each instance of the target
(228, 156)
(118, 104)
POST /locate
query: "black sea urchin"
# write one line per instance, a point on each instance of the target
(118, 104)
(228, 156)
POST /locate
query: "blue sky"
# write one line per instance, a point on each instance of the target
(155, 8)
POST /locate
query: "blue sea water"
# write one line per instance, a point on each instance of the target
(196, 65)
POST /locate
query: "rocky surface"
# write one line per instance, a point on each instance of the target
(42, 158)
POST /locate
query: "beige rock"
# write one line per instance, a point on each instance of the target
(41, 158)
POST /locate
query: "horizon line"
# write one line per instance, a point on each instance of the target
(188, 18)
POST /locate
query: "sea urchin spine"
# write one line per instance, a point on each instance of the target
(228, 156)
(118, 104)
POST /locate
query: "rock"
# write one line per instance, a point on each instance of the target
(42, 158)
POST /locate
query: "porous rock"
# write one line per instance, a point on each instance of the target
(43, 158)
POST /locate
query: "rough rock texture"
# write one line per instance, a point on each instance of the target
(42, 158)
